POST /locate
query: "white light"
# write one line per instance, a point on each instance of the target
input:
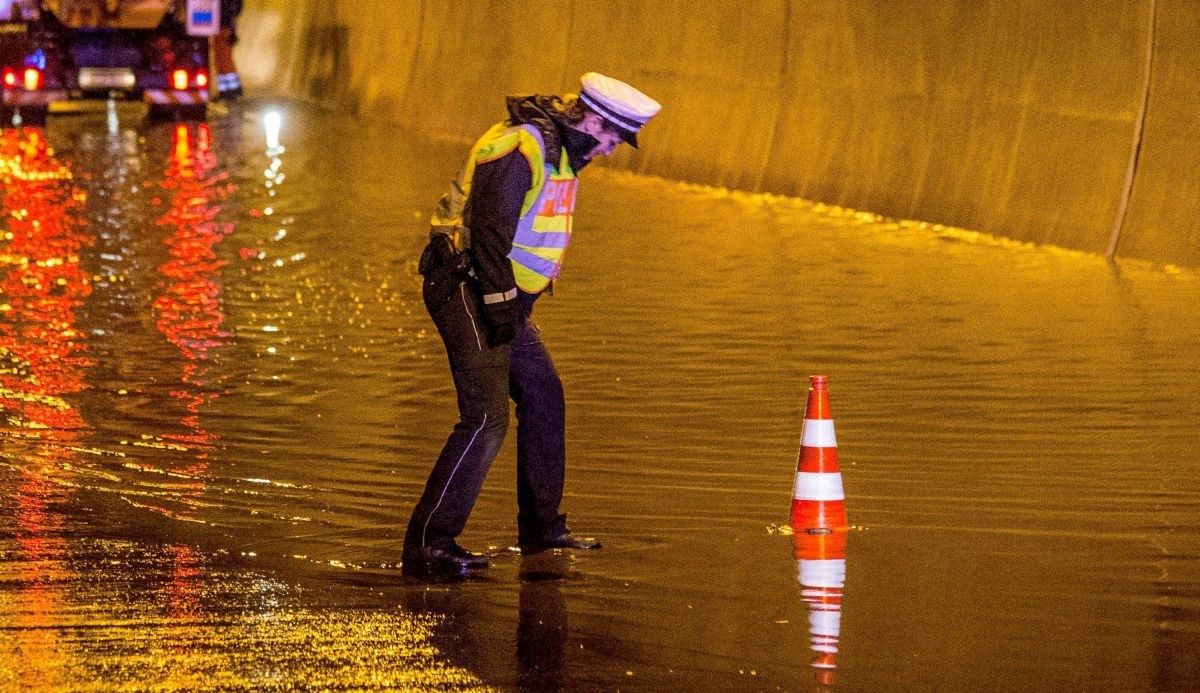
(114, 123)
(272, 122)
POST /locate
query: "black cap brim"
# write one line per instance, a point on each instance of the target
(629, 137)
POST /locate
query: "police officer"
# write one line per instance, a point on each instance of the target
(496, 244)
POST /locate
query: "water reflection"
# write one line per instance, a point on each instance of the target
(188, 309)
(821, 569)
(541, 636)
(38, 599)
(43, 355)
(43, 359)
(188, 313)
(81, 612)
(542, 622)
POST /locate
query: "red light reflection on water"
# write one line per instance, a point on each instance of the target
(42, 354)
(189, 314)
(43, 359)
(188, 310)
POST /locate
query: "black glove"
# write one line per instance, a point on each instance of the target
(501, 319)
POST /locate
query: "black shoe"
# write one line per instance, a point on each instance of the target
(473, 560)
(440, 562)
(565, 540)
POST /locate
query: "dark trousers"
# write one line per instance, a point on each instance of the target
(484, 379)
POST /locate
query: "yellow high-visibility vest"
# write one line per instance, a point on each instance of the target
(544, 227)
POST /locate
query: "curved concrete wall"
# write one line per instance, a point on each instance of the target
(1018, 119)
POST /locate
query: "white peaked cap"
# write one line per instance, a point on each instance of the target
(620, 104)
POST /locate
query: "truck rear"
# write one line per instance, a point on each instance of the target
(60, 50)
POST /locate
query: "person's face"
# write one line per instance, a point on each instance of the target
(606, 135)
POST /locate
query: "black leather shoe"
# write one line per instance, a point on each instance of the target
(473, 560)
(562, 541)
(440, 562)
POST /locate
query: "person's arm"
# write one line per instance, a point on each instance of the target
(498, 189)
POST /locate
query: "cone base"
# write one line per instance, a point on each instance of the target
(819, 517)
(819, 547)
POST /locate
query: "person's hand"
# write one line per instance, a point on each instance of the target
(501, 319)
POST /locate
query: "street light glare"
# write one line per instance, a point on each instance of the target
(272, 122)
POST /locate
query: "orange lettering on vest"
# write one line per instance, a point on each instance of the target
(567, 198)
(559, 198)
(548, 199)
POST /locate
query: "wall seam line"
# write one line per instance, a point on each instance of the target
(1136, 147)
(784, 90)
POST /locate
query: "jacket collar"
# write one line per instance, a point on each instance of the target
(545, 113)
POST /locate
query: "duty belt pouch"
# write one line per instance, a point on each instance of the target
(444, 268)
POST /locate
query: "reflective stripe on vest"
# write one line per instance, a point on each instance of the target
(544, 229)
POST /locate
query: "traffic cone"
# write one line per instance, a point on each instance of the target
(821, 569)
(818, 502)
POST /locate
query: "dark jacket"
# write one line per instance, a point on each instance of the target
(498, 189)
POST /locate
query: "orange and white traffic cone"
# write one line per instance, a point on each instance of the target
(821, 569)
(818, 502)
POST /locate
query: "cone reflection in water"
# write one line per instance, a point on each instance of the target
(818, 502)
(821, 569)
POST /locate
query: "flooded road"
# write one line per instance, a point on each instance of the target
(221, 397)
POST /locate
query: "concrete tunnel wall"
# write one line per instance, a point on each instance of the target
(1042, 120)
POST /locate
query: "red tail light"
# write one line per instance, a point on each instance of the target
(202, 79)
(33, 79)
(10, 78)
(179, 79)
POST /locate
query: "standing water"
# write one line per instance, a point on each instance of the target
(221, 396)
